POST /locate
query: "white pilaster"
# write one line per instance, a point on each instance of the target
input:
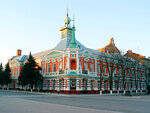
(18, 70)
(58, 84)
(88, 85)
(67, 84)
(77, 84)
(45, 65)
(77, 62)
(63, 61)
(95, 66)
(68, 61)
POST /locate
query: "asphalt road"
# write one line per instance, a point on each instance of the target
(25, 102)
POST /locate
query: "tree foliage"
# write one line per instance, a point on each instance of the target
(1, 75)
(30, 73)
(7, 75)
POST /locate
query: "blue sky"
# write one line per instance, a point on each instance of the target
(33, 25)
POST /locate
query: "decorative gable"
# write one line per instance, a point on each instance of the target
(87, 52)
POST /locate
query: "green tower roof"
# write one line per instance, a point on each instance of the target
(73, 40)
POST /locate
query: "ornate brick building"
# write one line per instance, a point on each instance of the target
(72, 68)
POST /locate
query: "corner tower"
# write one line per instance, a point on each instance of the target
(66, 31)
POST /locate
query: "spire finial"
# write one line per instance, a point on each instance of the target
(67, 11)
(73, 40)
(73, 21)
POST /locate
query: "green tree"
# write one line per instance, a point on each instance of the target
(30, 74)
(7, 75)
(1, 75)
(24, 75)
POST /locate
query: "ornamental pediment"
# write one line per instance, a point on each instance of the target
(53, 53)
(87, 52)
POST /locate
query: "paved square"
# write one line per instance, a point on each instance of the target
(22, 102)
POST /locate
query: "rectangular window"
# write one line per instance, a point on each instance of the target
(105, 85)
(60, 66)
(47, 84)
(43, 69)
(85, 71)
(80, 66)
(54, 67)
(116, 84)
(104, 69)
(99, 85)
(133, 85)
(92, 85)
(98, 69)
(92, 67)
(48, 68)
(53, 84)
(85, 66)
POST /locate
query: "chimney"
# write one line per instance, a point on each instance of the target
(19, 52)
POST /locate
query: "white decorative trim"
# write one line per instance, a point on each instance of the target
(59, 59)
(63, 61)
(77, 62)
(53, 60)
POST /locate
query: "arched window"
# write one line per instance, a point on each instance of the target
(73, 65)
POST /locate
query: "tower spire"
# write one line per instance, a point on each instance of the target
(67, 11)
(73, 40)
(66, 31)
(67, 20)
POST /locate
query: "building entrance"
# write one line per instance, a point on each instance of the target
(73, 84)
